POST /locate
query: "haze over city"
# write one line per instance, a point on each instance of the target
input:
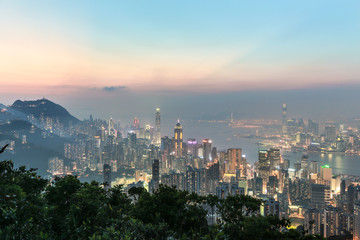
(232, 56)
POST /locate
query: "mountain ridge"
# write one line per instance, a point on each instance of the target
(46, 108)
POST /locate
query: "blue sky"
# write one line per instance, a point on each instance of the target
(73, 49)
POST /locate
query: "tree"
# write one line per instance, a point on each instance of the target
(22, 207)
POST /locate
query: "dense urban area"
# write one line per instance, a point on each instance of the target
(152, 168)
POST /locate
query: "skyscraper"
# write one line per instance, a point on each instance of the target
(356, 233)
(333, 221)
(326, 173)
(314, 167)
(319, 195)
(272, 207)
(330, 133)
(178, 139)
(304, 166)
(233, 160)
(136, 124)
(274, 157)
(312, 221)
(158, 128)
(284, 119)
(155, 174)
(207, 150)
(107, 176)
(264, 166)
(191, 146)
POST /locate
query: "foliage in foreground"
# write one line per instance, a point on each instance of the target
(31, 208)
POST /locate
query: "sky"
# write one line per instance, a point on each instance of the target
(199, 59)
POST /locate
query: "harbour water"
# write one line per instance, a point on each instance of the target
(223, 137)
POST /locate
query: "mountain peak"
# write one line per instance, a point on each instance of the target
(46, 108)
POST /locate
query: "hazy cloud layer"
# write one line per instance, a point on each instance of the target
(113, 88)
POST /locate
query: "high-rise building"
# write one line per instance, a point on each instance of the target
(233, 158)
(272, 185)
(195, 180)
(284, 120)
(356, 231)
(258, 186)
(229, 189)
(304, 166)
(206, 150)
(333, 221)
(264, 167)
(174, 179)
(192, 146)
(178, 139)
(136, 124)
(212, 177)
(326, 173)
(56, 165)
(312, 221)
(111, 128)
(157, 127)
(272, 207)
(314, 167)
(313, 127)
(330, 133)
(319, 195)
(107, 176)
(214, 156)
(155, 174)
(274, 157)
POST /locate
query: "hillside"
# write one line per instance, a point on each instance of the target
(45, 108)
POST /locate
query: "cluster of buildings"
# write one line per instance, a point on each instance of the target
(311, 136)
(325, 204)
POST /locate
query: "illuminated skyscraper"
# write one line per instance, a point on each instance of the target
(191, 146)
(178, 139)
(356, 233)
(304, 166)
(333, 221)
(264, 166)
(326, 173)
(158, 127)
(284, 119)
(313, 216)
(274, 157)
(233, 160)
(314, 167)
(111, 127)
(272, 208)
(207, 150)
(136, 123)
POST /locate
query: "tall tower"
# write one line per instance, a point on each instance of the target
(158, 131)
(284, 119)
(155, 174)
(107, 176)
(207, 150)
(357, 221)
(178, 139)
(136, 123)
(111, 127)
(233, 157)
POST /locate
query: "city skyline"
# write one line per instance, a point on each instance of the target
(180, 120)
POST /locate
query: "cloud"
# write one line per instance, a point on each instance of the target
(112, 88)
